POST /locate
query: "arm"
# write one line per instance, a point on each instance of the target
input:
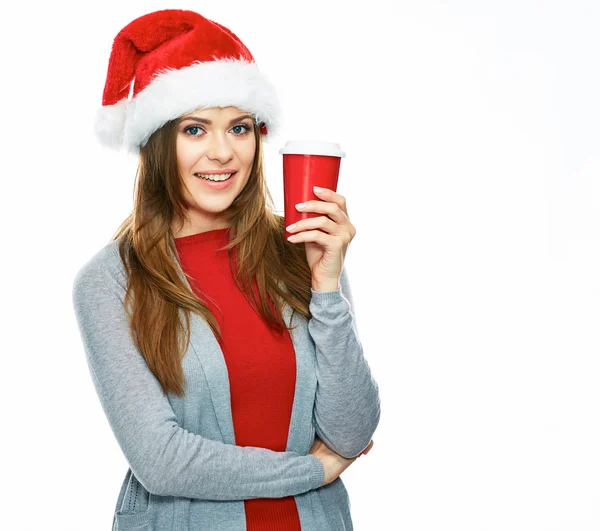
(347, 407)
(167, 459)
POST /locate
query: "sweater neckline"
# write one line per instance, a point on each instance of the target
(209, 235)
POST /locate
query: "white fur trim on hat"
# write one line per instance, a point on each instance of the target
(175, 92)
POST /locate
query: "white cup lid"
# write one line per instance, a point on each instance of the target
(311, 147)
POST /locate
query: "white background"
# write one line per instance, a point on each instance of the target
(472, 177)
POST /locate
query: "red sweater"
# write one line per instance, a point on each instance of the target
(261, 364)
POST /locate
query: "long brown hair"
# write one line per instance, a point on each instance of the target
(155, 289)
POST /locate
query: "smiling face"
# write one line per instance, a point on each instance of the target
(209, 141)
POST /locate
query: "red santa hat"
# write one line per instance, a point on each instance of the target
(172, 62)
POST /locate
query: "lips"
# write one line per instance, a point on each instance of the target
(204, 175)
(215, 172)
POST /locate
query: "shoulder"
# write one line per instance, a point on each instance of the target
(103, 267)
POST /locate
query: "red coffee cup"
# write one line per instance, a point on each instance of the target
(307, 163)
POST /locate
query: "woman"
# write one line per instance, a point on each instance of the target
(229, 418)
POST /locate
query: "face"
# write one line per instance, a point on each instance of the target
(209, 141)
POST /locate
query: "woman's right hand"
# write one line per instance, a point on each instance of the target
(333, 463)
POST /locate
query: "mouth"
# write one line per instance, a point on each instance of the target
(215, 178)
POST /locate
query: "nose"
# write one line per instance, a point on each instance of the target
(219, 148)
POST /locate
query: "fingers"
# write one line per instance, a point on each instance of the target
(367, 449)
(331, 209)
(334, 197)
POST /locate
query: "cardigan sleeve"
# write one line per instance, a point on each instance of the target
(347, 405)
(167, 459)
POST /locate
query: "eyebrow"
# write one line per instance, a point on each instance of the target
(208, 122)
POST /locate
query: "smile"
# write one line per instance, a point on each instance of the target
(214, 178)
(217, 182)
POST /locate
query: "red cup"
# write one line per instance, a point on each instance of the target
(307, 163)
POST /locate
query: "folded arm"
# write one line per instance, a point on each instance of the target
(167, 459)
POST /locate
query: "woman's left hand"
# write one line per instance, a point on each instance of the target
(326, 237)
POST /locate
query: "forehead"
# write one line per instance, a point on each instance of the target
(217, 113)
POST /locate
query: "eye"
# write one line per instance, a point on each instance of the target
(193, 130)
(190, 130)
(244, 127)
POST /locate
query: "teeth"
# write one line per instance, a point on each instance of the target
(216, 178)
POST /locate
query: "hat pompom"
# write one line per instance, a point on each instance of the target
(110, 124)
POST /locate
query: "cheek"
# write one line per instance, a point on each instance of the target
(180, 153)
(187, 155)
(248, 153)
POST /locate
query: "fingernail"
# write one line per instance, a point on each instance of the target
(300, 205)
(317, 189)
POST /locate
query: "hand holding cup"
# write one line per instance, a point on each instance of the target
(306, 165)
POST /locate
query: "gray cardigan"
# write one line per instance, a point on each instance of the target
(185, 471)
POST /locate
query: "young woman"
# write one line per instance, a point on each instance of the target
(226, 357)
